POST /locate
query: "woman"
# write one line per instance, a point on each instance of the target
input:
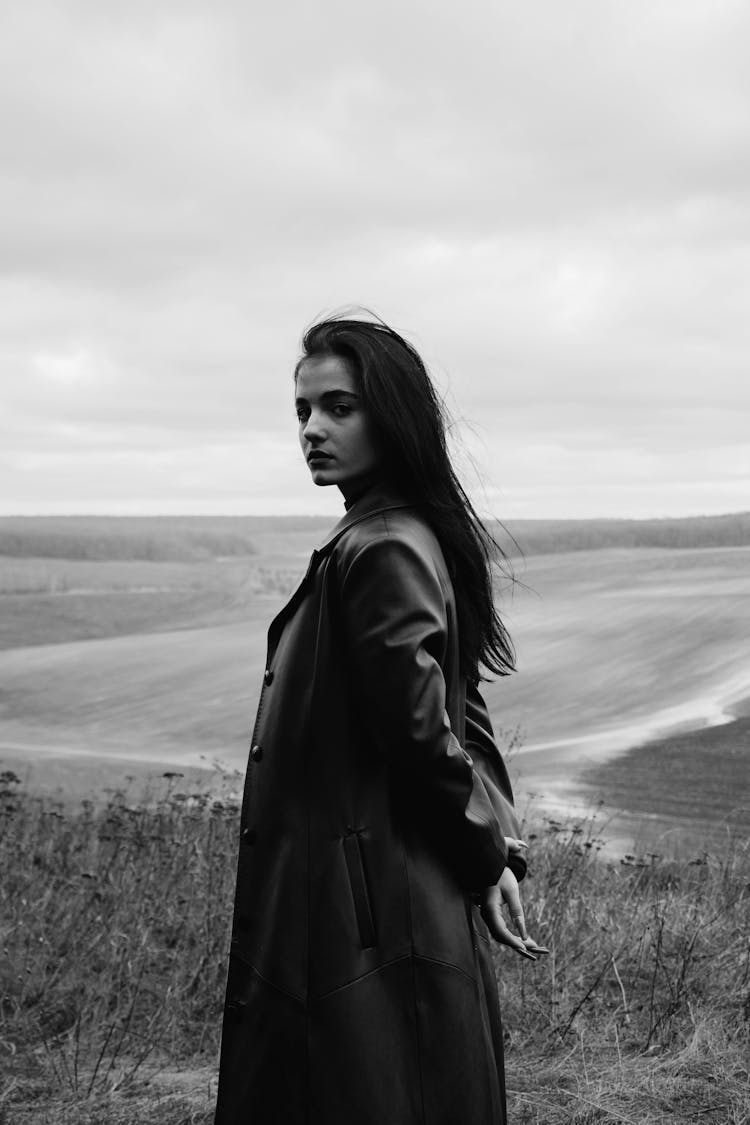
(378, 833)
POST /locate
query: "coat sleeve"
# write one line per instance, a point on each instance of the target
(489, 764)
(395, 624)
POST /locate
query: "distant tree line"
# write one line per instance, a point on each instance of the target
(96, 540)
(533, 537)
(196, 538)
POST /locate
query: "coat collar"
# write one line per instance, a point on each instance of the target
(379, 498)
(376, 499)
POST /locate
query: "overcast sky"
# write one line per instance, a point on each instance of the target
(550, 199)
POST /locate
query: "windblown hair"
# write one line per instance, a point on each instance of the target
(410, 422)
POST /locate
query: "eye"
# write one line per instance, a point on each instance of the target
(302, 414)
(341, 409)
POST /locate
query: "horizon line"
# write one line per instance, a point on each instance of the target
(328, 516)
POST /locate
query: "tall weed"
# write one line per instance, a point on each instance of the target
(114, 931)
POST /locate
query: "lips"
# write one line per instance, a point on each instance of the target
(318, 457)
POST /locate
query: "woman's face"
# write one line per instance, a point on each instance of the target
(334, 429)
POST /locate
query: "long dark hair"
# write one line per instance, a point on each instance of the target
(410, 422)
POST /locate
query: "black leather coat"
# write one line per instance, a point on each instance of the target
(361, 989)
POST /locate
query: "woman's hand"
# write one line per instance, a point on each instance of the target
(491, 908)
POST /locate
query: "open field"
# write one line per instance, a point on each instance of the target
(611, 639)
(53, 601)
(160, 661)
(691, 790)
(115, 928)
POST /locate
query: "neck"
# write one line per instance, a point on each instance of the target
(353, 490)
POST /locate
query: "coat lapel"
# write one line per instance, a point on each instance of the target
(372, 503)
(277, 625)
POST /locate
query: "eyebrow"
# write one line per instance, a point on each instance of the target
(328, 395)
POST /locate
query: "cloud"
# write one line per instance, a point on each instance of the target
(550, 200)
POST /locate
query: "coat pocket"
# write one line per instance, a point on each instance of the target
(358, 883)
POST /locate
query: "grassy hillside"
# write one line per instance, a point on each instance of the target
(115, 926)
(694, 784)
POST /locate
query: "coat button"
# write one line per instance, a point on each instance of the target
(249, 836)
(268, 677)
(256, 753)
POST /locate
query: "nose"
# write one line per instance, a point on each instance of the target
(313, 429)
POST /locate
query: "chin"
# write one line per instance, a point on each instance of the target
(322, 478)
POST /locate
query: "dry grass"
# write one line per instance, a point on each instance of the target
(642, 1011)
(115, 931)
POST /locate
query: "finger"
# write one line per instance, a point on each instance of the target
(519, 922)
(505, 937)
(514, 845)
(511, 894)
(500, 932)
(525, 952)
(532, 946)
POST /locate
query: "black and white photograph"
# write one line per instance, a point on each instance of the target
(375, 563)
